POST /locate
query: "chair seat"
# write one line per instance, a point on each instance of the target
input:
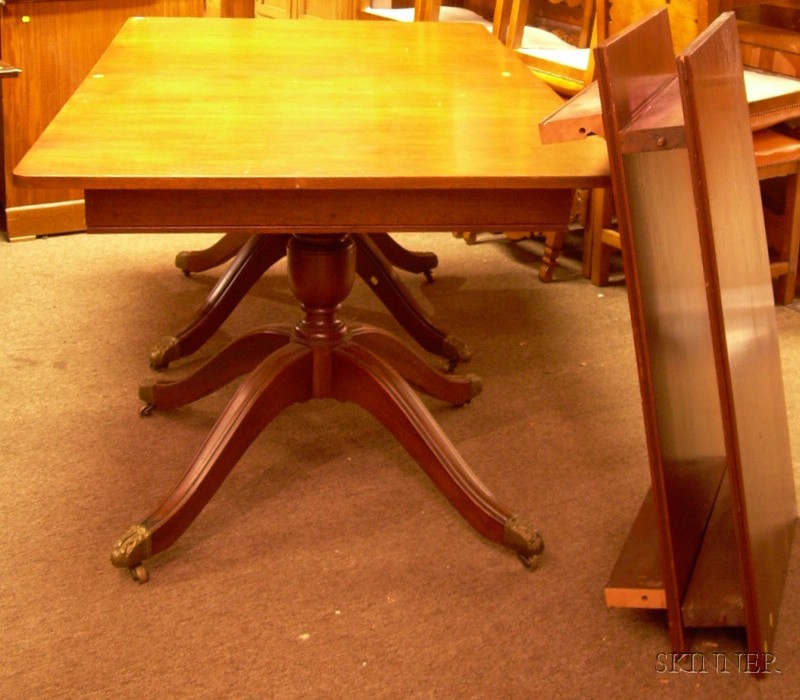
(461, 14)
(571, 57)
(560, 64)
(537, 38)
(398, 14)
(773, 149)
(446, 14)
(772, 97)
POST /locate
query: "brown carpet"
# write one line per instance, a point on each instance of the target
(327, 566)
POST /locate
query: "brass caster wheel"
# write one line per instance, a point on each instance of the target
(530, 562)
(454, 351)
(139, 574)
(146, 410)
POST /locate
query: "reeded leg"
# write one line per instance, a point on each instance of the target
(414, 369)
(278, 382)
(403, 258)
(253, 258)
(361, 377)
(323, 359)
(374, 268)
(201, 260)
(234, 360)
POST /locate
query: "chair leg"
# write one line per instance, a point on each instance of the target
(790, 241)
(601, 213)
(553, 243)
(589, 234)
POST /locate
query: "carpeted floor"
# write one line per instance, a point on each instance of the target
(327, 566)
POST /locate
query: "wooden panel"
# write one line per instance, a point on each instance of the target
(666, 291)
(29, 31)
(733, 239)
(699, 284)
(691, 487)
(636, 580)
(714, 597)
(686, 17)
(320, 211)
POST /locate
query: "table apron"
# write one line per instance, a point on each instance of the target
(327, 210)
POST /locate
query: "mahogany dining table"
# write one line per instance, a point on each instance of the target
(319, 129)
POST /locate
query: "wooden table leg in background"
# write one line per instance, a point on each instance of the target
(377, 256)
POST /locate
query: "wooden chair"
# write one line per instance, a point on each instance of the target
(554, 38)
(772, 97)
(8, 71)
(434, 11)
(712, 540)
(422, 11)
(771, 54)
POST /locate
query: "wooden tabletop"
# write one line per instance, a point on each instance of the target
(194, 103)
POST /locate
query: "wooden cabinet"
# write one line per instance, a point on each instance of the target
(55, 43)
(305, 9)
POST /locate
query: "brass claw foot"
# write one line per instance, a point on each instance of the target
(166, 351)
(132, 548)
(475, 384)
(455, 350)
(524, 540)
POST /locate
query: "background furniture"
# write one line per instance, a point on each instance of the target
(566, 63)
(556, 47)
(81, 29)
(525, 27)
(304, 9)
(773, 97)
